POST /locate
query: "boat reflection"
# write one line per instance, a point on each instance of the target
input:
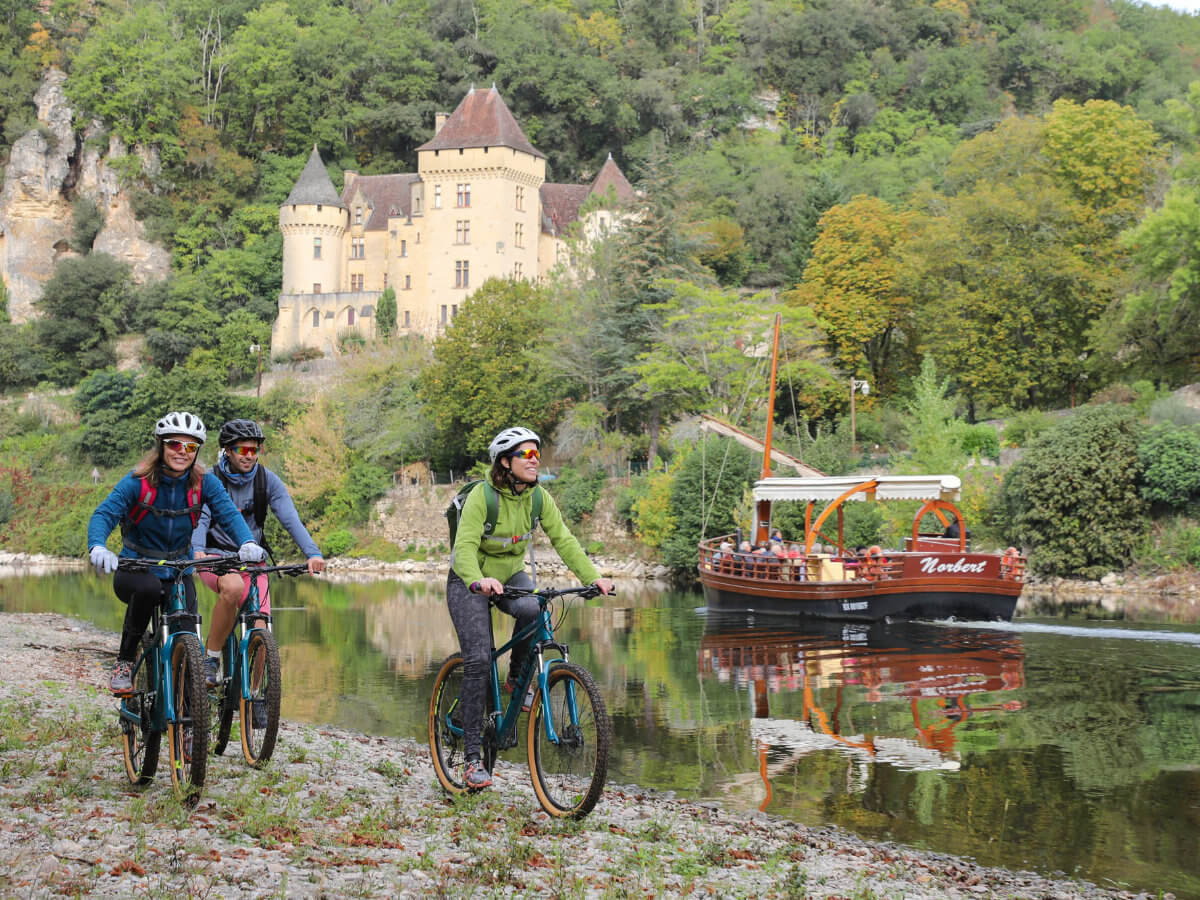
(877, 693)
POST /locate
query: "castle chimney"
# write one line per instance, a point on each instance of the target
(439, 119)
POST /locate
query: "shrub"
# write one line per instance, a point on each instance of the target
(1176, 546)
(1023, 427)
(979, 440)
(1074, 499)
(336, 543)
(1170, 474)
(577, 492)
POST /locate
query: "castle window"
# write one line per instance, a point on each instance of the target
(464, 195)
(407, 320)
(385, 281)
(318, 207)
(358, 248)
(350, 316)
(316, 287)
(520, 197)
(316, 318)
(403, 247)
(518, 271)
(316, 248)
(358, 215)
(356, 282)
(416, 206)
(462, 273)
(519, 235)
(462, 231)
(437, 196)
(408, 282)
(453, 310)
(443, 313)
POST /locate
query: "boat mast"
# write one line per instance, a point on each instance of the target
(762, 509)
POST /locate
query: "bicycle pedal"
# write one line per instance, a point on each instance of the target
(510, 741)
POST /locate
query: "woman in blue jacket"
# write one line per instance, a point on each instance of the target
(157, 505)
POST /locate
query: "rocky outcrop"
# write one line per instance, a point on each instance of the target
(48, 168)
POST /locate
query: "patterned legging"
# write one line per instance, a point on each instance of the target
(473, 621)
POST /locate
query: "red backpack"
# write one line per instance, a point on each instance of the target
(145, 504)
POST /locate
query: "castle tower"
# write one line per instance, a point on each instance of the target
(313, 220)
(480, 177)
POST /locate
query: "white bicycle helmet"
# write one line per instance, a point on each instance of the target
(181, 423)
(510, 438)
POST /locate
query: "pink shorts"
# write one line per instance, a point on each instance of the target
(264, 599)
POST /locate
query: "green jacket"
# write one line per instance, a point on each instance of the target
(474, 558)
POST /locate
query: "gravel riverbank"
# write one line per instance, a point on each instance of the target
(343, 814)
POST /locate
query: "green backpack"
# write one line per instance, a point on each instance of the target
(454, 511)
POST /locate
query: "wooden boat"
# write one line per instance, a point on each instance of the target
(931, 577)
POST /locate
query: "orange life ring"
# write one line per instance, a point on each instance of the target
(1008, 563)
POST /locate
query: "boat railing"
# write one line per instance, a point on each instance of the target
(767, 568)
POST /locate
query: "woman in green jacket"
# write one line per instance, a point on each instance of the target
(483, 565)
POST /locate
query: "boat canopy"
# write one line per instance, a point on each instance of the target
(878, 487)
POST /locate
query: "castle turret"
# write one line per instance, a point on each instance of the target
(313, 220)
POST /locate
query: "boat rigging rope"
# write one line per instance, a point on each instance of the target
(758, 366)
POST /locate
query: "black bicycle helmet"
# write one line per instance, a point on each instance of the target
(239, 430)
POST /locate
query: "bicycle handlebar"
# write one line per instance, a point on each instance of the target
(545, 595)
(220, 565)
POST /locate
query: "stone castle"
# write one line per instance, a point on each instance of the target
(478, 207)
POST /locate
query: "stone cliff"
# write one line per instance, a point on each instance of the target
(48, 168)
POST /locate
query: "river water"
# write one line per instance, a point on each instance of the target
(1058, 745)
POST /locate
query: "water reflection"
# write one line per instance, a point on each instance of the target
(942, 675)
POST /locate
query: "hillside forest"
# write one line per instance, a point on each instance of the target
(985, 210)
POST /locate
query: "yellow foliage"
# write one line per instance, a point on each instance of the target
(317, 459)
(652, 519)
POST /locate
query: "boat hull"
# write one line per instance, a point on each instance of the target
(855, 603)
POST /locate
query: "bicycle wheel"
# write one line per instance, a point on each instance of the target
(187, 736)
(260, 711)
(224, 703)
(568, 773)
(140, 743)
(445, 725)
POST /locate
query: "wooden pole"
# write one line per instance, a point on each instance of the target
(762, 509)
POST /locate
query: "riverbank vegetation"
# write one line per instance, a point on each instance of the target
(983, 210)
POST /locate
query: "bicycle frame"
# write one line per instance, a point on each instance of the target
(158, 670)
(541, 631)
(237, 648)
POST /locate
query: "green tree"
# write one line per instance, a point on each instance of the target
(490, 371)
(1074, 497)
(84, 306)
(385, 314)
(1170, 476)
(104, 401)
(86, 222)
(933, 430)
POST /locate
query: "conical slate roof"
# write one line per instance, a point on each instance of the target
(314, 185)
(611, 176)
(482, 120)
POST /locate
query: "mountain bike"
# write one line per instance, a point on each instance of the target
(568, 735)
(250, 674)
(168, 690)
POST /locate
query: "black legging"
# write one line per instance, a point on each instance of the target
(473, 621)
(141, 592)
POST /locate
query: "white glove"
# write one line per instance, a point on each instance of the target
(250, 552)
(103, 559)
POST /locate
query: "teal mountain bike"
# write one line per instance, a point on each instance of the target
(169, 694)
(568, 733)
(251, 682)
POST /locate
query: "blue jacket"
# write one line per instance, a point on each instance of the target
(166, 533)
(279, 501)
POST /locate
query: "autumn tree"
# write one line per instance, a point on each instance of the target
(852, 283)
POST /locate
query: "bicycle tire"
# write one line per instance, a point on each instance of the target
(445, 745)
(187, 736)
(140, 744)
(568, 775)
(224, 704)
(258, 743)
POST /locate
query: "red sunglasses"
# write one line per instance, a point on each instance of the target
(527, 453)
(176, 446)
(245, 451)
